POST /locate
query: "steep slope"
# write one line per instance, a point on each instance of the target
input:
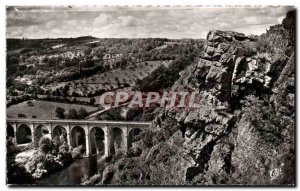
(243, 133)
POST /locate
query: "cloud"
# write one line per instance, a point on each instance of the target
(154, 14)
(102, 19)
(50, 24)
(72, 22)
(128, 22)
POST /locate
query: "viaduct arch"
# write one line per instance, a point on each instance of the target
(105, 137)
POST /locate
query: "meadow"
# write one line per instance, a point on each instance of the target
(42, 109)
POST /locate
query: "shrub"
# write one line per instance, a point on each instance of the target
(72, 114)
(113, 114)
(108, 174)
(92, 101)
(76, 152)
(102, 117)
(64, 148)
(135, 152)
(21, 115)
(265, 119)
(60, 113)
(64, 154)
(52, 163)
(96, 178)
(17, 174)
(85, 178)
(45, 145)
(82, 113)
(37, 158)
(133, 113)
(11, 147)
(147, 137)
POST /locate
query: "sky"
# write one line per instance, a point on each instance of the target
(137, 22)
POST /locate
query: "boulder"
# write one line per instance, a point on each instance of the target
(210, 50)
(224, 47)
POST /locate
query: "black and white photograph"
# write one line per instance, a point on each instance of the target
(115, 95)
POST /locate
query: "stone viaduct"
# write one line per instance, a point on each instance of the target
(94, 136)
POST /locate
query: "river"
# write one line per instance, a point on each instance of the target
(73, 174)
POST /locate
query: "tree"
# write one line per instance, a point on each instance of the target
(92, 101)
(87, 51)
(45, 145)
(77, 152)
(64, 148)
(133, 113)
(60, 113)
(99, 53)
(72, 114)
(21, 115)
(65, 90)
(82, 113)
(102, 117)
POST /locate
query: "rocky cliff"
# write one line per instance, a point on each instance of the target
(243, 133)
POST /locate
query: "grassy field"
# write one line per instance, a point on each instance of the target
(42, 109)
(128, 74)
(110, 79)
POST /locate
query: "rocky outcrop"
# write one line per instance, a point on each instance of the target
(236, 63)
(224, 145)
(228, 64)
(243, 131)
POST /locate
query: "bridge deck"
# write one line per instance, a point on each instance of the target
(77, 121)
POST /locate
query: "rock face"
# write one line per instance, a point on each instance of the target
(243, 131)
(230, 69)
(235, 62)
(236, 151)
